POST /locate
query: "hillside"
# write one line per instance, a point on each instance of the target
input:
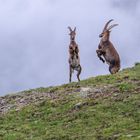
(101, 108)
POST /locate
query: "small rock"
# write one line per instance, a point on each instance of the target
(22, 100)
(87, 91)
(79, 105)
(2, 102)
(129, 135)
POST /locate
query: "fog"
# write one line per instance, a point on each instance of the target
(34, 39)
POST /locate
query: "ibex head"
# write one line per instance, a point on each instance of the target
(106, 31)
(72, 33)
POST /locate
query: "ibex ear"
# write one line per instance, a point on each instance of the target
(74, 29)
(70, 28)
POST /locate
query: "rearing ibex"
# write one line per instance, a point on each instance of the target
(107, 50)
(74, 59)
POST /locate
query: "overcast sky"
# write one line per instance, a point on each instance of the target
(34, 39)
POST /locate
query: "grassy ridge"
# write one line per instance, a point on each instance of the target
(100, 108)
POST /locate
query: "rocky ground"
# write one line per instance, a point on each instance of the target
(25, 98)
(100, 108)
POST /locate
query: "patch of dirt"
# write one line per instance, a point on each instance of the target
(18, 101)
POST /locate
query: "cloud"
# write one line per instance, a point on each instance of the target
(34, 39)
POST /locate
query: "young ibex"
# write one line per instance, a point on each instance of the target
(74, 59)
(107, 50)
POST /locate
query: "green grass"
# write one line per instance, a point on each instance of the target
(113, 117)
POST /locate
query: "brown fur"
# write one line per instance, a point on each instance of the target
(74, 59)
(107, 50)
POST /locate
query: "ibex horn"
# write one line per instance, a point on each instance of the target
(70, 29)
(74, 29)
(112, 26)
(106, 25)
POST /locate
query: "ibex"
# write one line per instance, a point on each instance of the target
(74, 59)
(107, 50)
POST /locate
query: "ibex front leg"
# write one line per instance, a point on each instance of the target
(99, 54)
(70, 73)
(79, 72)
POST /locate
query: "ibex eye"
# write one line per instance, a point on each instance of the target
(100, 35)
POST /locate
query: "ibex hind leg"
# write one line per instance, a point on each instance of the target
(111, 66)
(79, 72)
(70, 73)
(113, 69)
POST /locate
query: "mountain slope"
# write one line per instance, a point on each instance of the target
(101, 108)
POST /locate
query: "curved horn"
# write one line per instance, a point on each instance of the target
(70, 28)
(106, 25)
(74, 29)
(112, 26)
